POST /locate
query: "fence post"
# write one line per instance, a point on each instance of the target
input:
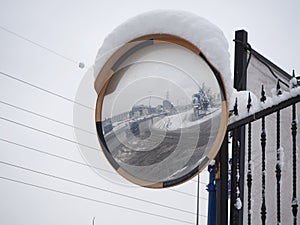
(238, 141)
(211, 188)
(222, 183)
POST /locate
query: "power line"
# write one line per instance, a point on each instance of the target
(188, 194)
(80, 64)
(94, 187)
(54, 155)
(80, 163)
(94, 200)
(57, 121)
(65, 139)
(50, 134)
(46, 117)
(60, 122)
(37, 87)
(32, 85)
(182, 192)
(57, 156)
(45, 90)
(200, 182)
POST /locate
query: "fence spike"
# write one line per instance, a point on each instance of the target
(235, 108)
(249, 102)
(263, 94)
(278, 89)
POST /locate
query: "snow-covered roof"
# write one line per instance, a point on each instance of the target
(203, 34)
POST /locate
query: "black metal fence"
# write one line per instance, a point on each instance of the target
(263, 188)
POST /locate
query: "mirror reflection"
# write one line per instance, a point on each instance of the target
(161, 113)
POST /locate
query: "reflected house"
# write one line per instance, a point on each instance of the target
(120, 117)
(107, 126)
(109, 123)
(136, 111)
(141, 110)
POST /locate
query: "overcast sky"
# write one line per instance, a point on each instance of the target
(70, 32)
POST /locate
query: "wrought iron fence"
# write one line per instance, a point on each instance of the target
(263, 189)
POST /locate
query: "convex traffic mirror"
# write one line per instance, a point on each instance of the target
(161, 112)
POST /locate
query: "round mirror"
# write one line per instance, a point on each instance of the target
(161, 114)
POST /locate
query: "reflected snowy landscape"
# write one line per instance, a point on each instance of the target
(148, 139)
(161, 112)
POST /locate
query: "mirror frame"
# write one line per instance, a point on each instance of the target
(103, 79)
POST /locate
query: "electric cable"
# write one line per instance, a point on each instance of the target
(80, 64)
(80, 163)
(54, 155)
(188, 194)
(50, 134)
(94, 187)
(200, 182)
(65, 98)
(57, 121)
(248, 47)
(93, 200)
(46, 117)
(42, 89)
(45, 90)
(271, 71)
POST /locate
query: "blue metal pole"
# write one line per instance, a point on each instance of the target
(211, 188)
(197, 219)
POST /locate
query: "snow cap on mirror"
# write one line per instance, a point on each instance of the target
(203, 34)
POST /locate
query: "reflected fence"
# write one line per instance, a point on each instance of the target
(262, 135)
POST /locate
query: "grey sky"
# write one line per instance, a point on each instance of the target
(76, 30)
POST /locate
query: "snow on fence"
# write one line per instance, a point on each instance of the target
(269, 149)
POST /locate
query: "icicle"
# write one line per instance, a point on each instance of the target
(238, 203)
(237, 175)
(280, 158)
